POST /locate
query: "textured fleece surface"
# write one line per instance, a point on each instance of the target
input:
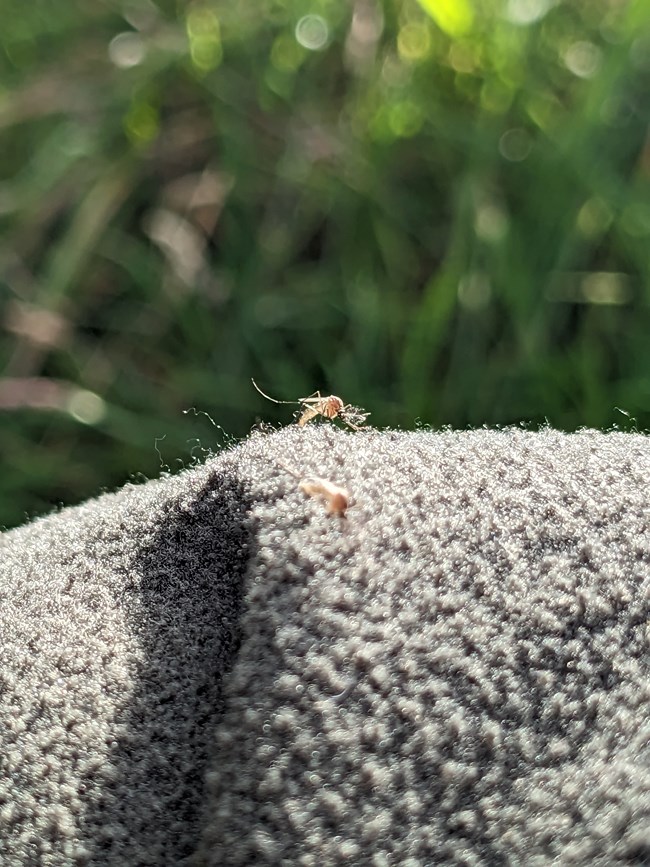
(210, 670)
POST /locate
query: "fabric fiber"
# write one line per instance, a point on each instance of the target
(209, 669)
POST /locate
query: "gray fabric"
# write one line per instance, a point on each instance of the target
(455, 673)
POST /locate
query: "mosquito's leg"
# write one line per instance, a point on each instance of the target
(309, 413)
(313, 398)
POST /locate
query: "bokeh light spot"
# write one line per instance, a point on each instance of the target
(525, 12)
(286, 53)
(491, 223)
(141, 14)
(594, 218)
(413, 42)
(141, 124)
(126, 50)
(583, 59)
(462, 57)
(312, 32)
(595, 287)
(640, 52)
(515, 145)
(635, 220)
(405, 119)
(496, 97)
(605, 287)
(86, 406)
(204, 34)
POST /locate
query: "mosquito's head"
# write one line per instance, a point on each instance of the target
(332, 406)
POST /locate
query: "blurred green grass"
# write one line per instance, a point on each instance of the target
(440, 212)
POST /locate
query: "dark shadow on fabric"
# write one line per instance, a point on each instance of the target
(184, 603)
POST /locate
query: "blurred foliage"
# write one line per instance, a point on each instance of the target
(440, 212)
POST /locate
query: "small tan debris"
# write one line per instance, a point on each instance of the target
(336, 498)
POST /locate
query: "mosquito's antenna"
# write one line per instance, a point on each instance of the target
(272, 399)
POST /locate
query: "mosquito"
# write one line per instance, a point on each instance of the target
(329, 407)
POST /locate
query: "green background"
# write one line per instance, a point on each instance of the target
(440, 212)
